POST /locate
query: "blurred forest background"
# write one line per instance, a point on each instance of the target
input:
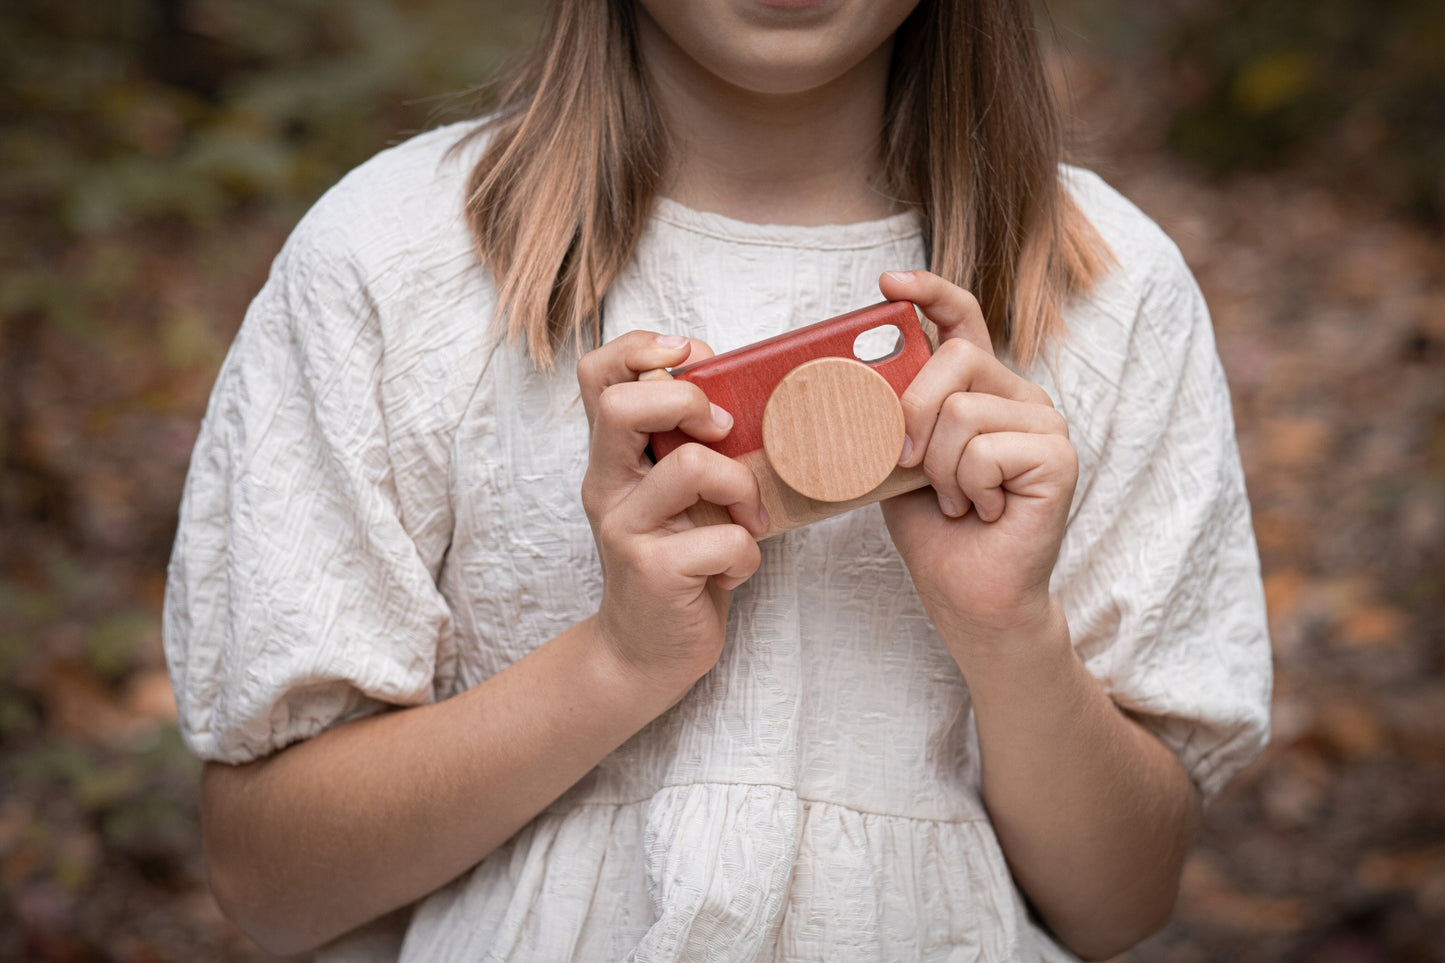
(155, 153)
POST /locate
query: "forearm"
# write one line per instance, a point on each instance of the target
(374, 814)
(1094, 814)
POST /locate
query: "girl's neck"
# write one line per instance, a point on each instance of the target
(808, 158)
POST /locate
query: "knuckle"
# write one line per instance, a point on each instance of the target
(951, 349)
(740, 548)
(957, 406)
(592, 503)
(986, 446)
(609, 531)
(625, 545)
(752, 488)
(1067, 454)
(738, 542)
(959, 351)
(691, 459)
(633, 343)
(610, 404)
(970, 302)
(589, 368)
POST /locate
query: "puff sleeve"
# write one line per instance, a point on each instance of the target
(302, 585)
(1159, 571)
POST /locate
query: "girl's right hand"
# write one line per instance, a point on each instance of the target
(667, 583)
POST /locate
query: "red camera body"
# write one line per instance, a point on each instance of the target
(820, 425)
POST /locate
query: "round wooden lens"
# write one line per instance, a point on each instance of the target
(833, 429)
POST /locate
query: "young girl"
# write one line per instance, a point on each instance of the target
(471, 686)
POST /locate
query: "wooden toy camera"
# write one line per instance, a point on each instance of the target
(820, 427)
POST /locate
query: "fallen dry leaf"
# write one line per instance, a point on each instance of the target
(1368, 626)
(1348, 725)
(1296, 444)
(1381, 870)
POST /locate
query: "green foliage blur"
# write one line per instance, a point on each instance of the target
(1356, 86)
(1347, 92)
(184, 109)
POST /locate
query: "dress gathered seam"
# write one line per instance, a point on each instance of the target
(809, 800)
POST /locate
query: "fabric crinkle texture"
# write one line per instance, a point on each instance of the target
(383, 510)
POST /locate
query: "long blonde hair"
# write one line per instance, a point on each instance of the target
(971, 139)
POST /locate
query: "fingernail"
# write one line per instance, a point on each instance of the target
(672, 340)
(947, 506)
(904, 276)
(763, 516)
(907, 450)
(721, 418)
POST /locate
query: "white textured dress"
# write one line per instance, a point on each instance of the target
(383, 509)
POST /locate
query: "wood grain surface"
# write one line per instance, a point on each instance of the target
(837, 426)
(833, 429)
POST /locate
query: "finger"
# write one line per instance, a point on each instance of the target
(689, 474)
(726, 552)
(624, 358)
(957, 366)
(965, 416)
(1000, 468)
(955, 311)
(699, 352)
(629, 413)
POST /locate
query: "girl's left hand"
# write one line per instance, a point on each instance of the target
(982, 542)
